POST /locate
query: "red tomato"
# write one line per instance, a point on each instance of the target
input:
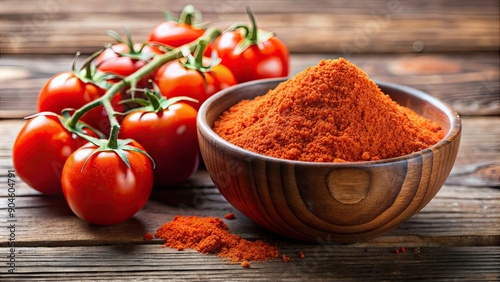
(120, 60)
(106, 191)
(40, 151)
(175, 80)
(169, 137)
(175, 33)
(252, 54)
(269, 59)
(67, 90)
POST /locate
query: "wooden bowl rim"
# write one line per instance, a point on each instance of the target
(452, 135)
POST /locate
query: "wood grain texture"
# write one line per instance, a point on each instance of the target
(455, 237)
(67, 26)
(469, 83)
(415, 43)
(459, 215)
(321, 262)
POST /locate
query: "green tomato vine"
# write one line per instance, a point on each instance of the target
(113, 143)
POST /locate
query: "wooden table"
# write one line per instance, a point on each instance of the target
(455, 237)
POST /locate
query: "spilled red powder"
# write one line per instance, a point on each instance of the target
(285, 258)
(148, 236)
(331, 112)
(211, 235)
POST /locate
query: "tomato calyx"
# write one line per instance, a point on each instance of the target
(189, 16)
(152, 65)
(196, 62)
(119, 148)
(88, 72)
(175, 32)
(251, 34)
(79, 128)
(113, 143)
(134, 53)
(155, 102)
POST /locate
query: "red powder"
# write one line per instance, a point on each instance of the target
(285, 258)
(211, 235)
(148, 236)
(331, 112)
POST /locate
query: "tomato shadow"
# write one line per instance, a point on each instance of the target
(62, 227)
(198, 188)
(123, 237)
(49, 206)
(199, 198)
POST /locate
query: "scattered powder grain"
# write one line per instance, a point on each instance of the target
(329, 112)
(148, 236)
(285, 258)
(210, 235)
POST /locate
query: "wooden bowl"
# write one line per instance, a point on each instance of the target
(334, 202)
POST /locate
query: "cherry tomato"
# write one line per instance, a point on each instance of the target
(175, 33)
(119, 59)
(252, 54)
(169, 137)
(175, 80)
(67, 90)
(106, 191)
(40, 151)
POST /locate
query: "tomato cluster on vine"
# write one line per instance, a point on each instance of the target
(108, 132)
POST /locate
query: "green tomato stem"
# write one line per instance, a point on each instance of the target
(187, 15)
(115, 125)
(152, 65)
(253, 32)
(198, 54)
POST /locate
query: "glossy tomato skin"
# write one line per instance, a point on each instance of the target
(67, 90)
(106, 191)
(175, 80)
(109, 61)
(174, 34)
(40, 151)
(170, 138)
(268, 59)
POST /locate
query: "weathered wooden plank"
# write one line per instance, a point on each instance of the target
(468, 82)
(456, 237)
(344, 33)
(321, 262)
(461, 214)
(458, 216)
(477, 163)
(9, 7)
(480, 147)
(65, 26)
